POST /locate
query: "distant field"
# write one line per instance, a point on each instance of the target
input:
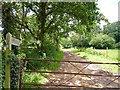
(100, 55)
(112, 53)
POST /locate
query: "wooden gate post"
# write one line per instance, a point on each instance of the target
(7, 62)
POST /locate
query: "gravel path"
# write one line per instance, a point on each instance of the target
(81, 80)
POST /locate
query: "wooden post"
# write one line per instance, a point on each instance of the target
(7, 62)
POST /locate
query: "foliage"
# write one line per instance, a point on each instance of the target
(47, 19)
(102, 41)
(74, 39)
(83, 42)
(55, 65)
(37, 78)
(66, 42)
(33, 78)
(14, 72)
(22, 55)
(42, 64)
(79, 40)
(117, 45)
(14, 69)
(113, 30)
(96, 30)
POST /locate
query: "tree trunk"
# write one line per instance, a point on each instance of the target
(41, 25)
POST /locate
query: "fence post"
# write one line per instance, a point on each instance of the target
(106, 51)
(7, 62)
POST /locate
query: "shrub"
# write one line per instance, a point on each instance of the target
(83, 42)
(101, 41)
(79, 40)
(66, 42)
(117, 45)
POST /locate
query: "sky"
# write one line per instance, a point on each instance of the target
(109, 8)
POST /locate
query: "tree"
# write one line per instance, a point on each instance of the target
(52, 20)
(80, 40)
(113, 30)
(102, 41)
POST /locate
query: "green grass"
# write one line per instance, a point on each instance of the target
(55, 65)
(111, 53)
(98, 55)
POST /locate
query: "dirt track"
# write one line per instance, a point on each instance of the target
(81, 80)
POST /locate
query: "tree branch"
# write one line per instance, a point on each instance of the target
(31, 7)
(27, 27)
(49, 24)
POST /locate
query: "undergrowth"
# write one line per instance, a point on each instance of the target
(40, 78)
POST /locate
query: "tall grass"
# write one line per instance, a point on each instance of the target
(100, 55)
(111, 53)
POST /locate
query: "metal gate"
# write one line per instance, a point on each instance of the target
(94, 78)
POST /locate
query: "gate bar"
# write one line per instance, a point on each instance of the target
(40, 59)
(38, 71)
(49, 85)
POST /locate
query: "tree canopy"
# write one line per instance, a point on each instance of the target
(38, 23)
(113, 30)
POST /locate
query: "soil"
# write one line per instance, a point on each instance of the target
(81, 80)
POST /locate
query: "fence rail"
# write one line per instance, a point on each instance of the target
(73, 61)
(38, 71)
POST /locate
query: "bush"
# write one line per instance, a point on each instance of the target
(66, 42)
(101, 41)
(83, 42)
(117, 45)
(80, 40)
